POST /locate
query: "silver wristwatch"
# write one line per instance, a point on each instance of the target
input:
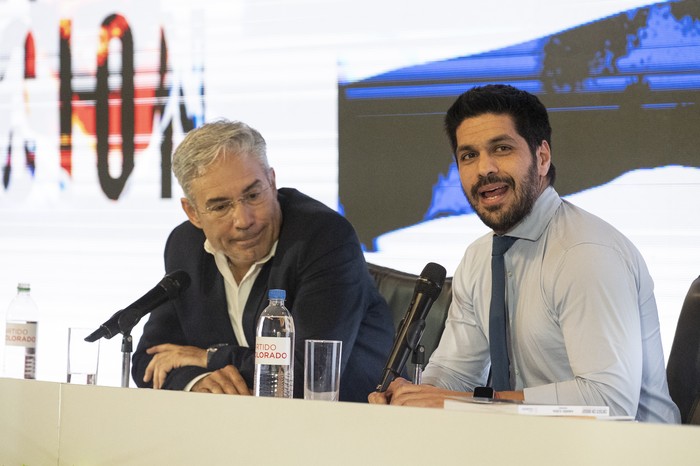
(213, 349)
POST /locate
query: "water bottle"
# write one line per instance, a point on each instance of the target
(274, 349)
(20, 335)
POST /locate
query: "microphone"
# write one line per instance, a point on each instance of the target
(427, 290)
(169, 288)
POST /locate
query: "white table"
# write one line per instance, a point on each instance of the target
(50, 423)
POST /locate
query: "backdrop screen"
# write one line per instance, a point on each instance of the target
(95, 95)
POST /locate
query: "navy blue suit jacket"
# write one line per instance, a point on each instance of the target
(330, 295)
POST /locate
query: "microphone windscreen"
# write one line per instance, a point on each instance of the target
(431, 280)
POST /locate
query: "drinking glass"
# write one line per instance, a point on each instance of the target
(322, 369)
(83, 357)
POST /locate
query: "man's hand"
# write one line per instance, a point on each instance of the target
(402, 392)
(227, 380)
(167, 357)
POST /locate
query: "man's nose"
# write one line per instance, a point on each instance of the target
(242, 215)
(487, 164)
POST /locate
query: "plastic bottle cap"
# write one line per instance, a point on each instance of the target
(277, 294)
(23, 287)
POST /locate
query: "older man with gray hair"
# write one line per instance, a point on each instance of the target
(244, 237)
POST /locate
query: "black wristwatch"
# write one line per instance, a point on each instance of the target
(484, 392)
(213, 349)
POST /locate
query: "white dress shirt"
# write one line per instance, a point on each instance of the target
(584, 326)
(236, 294)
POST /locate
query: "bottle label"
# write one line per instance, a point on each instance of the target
(21, 334)
(273, 350)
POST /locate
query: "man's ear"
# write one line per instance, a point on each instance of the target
(191, 212)
(544, 159)
(272, 178)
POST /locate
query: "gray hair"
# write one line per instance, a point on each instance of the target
(203, 146)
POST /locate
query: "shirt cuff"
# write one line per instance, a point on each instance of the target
(188, 387)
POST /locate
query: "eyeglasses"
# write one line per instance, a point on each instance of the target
(252, 198)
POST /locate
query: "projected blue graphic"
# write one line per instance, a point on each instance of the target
(622, 93)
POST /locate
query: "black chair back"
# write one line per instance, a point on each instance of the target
(397, 289)
(683, 368)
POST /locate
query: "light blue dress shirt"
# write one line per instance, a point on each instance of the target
(584, 328)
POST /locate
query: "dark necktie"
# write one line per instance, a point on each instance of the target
(500, 370)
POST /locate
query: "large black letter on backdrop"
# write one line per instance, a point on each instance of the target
(65, 95)
(166, 143)
(159, 114)
(29, 144)
(115, 27)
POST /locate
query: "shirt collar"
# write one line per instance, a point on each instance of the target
(221, 256)
(534, 224)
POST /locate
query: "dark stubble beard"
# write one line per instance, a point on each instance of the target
(502, 219)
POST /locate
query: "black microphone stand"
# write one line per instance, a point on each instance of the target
(413, 336)
(127, 321)
(107, 330)
(412, 340)
(418, 359)
(127, 348)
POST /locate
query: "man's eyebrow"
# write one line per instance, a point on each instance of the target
(464, 147)
(254, 185)
(494, 140)
(502, 138)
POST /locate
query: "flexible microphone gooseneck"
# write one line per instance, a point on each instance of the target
(427, 290)
(168, 288)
